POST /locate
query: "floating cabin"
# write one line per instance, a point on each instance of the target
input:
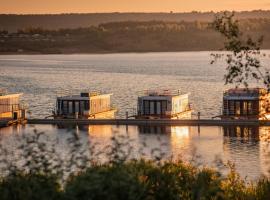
(85, 106)
(243, 103)
(164, 104)
(10, 107)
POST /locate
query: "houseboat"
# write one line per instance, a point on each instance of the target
(87, 105)
(10, 106)
(163, 104)
(246, 103)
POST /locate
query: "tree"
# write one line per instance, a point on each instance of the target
(244, 53)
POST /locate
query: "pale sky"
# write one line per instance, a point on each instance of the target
(92, 6)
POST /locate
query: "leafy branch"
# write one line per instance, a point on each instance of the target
(243, 55)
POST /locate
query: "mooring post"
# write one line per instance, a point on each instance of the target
(126, 114)
(199, 115)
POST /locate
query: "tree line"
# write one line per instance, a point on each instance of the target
(127, 36)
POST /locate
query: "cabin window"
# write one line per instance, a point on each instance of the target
(245, 108)
(59, 107)
(87, 105)
(163, 107)
(231, 107)
(65, 107)
(70, 107)
(77, 107)
(81, 107)
(146, 108)
(158, 107)
(237, 108)
(152, 107)
(250, 108)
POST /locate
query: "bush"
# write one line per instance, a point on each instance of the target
(29, 187)
(137, 179)
(112, 182)
(144, 180)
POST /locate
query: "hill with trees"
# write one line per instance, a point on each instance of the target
(127, 36)
(13, 22)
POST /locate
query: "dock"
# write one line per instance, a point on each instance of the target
(9, 122)
(152, 122)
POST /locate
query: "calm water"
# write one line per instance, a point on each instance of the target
(249, 150)
(44, 77)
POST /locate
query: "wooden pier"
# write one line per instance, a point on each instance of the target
(154, 122)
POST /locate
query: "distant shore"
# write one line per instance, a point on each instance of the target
(126, 37)
(99, 52)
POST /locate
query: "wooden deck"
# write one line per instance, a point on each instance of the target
(165, 122)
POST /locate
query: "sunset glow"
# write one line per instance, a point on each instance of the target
(90, 6)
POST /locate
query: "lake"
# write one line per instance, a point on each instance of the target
(44, 77)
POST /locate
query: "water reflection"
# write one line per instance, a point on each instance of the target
(244, 132)
(246, 146)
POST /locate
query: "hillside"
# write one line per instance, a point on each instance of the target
(129, 36)
(56, 21)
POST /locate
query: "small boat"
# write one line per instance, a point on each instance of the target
(87, 105)
(246, 103)
(163, 104)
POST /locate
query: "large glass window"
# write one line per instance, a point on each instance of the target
(237, 108)
(245, 108)
(152, 108)
(163, 107)
(231, 107)
(70, 107)
(250, 108)
(146, 108)
(82, 107)
(65, 107)
(158, 107)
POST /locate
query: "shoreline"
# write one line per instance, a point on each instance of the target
(109, 52)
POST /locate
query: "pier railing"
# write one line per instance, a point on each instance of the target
(159, 92)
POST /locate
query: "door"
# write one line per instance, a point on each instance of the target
(15, 115)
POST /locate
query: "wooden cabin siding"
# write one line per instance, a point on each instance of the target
(100, 105)
(179, 104)
(9, 104)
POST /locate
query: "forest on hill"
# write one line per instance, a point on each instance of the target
(13, 22)
(128, 36)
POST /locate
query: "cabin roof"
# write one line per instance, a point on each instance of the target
(82, 97)
(7, 95)
(161, 93)
(244, 93)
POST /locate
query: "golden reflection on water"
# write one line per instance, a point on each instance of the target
(104, 132)
(179, 137)
(247, 147)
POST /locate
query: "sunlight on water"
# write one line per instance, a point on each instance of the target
(43, 77)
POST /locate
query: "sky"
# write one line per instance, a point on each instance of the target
(97, 6)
